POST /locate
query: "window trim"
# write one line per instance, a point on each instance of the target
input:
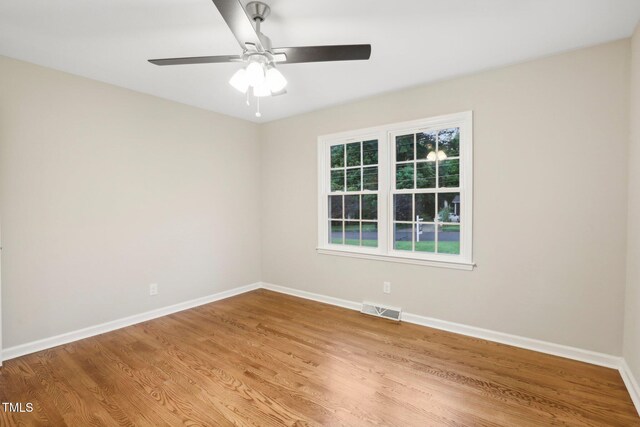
(384, 134)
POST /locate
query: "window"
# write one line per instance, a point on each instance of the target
(400, 192)
(426, 191)
(353, 197)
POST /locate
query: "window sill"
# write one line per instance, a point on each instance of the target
(457, 265)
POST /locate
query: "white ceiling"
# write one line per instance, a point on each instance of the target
(413, 42)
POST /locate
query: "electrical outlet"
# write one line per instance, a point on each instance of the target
(153, 289)
(386, 287)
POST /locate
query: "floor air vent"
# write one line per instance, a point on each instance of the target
(392, 313)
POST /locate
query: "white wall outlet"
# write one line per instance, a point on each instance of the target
(153, 289)
(386, 287)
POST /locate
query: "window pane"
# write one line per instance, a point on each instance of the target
(404, 176)
(425, 237)
(335, 232)
(425, 207)
(337, 180)
(402, 237)
(426, 175)
(404, 148)
(353, 154)
(426, 143)
(352, 207)
(370, 152)
(402, 207)
(449, 142)
(449, 207)
(352, 233)
(335, 207)
(449, 173)
(370, 178)
(449, 239)
(370, 206)
(354, 179)
(370, 234)
(337, 156)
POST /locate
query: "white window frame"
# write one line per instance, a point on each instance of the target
(386, 182)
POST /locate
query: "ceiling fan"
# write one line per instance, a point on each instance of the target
(260, 73)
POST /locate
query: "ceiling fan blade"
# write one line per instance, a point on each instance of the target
(239, 23)
(197, 60)
(350, 52)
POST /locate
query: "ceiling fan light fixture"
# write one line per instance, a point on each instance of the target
(275, 80)
(255, 74)
(239, 81)
(260, 76)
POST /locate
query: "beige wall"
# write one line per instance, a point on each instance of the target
(632, 318)
(550, 197)
(105, 190)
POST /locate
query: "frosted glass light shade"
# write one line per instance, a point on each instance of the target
(261, 90)
(275, 80)
(255, 74)
(239, 81)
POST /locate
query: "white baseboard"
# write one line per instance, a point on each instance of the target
(311, 296)
(592, 357)
(631, 383)
(573, 353)
(43, 344)
(595, 358)
(599, 359)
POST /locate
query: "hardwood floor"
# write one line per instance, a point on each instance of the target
(267, 359)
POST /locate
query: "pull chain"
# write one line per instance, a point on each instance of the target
(258, 114)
